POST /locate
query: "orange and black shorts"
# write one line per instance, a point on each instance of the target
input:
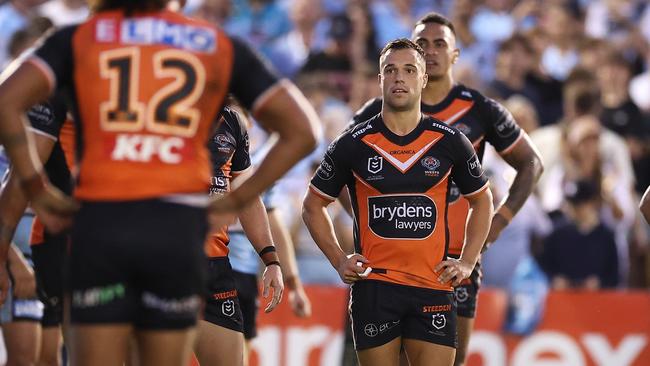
(382, 311)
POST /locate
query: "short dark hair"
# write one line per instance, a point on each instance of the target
(401, 44)
(130, 6)
(437, 18)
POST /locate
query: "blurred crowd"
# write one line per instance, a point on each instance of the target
(574, 73)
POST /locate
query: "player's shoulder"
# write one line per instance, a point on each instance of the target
(370, 109)
(462, 91)
(436, 125)
(361, 129)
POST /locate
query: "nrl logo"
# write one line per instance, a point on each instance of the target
(375, 164)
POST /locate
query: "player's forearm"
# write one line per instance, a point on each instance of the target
(478, 226)
(528, 164)
(255, 223)
(12, 206)
(321, 229)
(284, 245)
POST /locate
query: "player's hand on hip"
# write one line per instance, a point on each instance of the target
(272, 279)
(349, 270)
(453, 270)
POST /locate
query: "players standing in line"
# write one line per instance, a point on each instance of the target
(482, 120)
(144, 85)
(398, 167)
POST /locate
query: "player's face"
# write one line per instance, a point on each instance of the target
(439, 45)
(402, 78)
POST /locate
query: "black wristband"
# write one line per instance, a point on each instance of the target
(267, 249)
(273, 262)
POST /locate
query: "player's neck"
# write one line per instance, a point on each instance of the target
(401, 122)
(437, 90)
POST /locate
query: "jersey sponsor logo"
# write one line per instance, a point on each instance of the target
(185, 305)
(431, 165)
(474, 166)
(97, 296)
(439, 321)
(436, 308)
(148, 31)
(443, 127)
(505, 127)
(40, 115)
(371, 330)
(356, 134)
(375, 164)
(144, 148)
(326, 169)
(218, 185)
(31, 309)
(402, 216)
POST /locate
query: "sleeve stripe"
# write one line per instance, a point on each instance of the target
(483, 188)
(514, 143)
(45, 69)
(266, 95)
(321, 194)
(42, 133)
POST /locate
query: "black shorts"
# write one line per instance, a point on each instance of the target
(49, 263)
(222, 305)
(382, 311)
(466, 294)
(248, 292)
(137, 262)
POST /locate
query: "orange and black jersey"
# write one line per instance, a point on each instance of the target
(144, 92)
(230, 156)
(482, 120)
(399, 187)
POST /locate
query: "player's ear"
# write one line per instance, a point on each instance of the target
(455, 56)
(425, 80)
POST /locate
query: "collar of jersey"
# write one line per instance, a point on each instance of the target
(397, 139)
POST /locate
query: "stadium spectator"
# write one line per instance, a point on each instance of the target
(621, 115)
(14, 15)
(581, 252)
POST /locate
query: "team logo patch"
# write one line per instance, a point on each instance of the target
(439, 321)
(371, 330)
(375, 164)
(461, 294)
(228, 308)
(431, 165)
